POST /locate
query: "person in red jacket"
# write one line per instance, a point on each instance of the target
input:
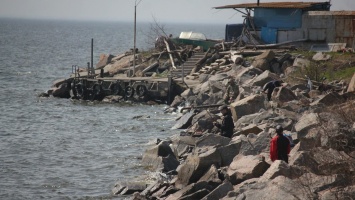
(279, 146)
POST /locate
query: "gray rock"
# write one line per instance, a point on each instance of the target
(280, 188)
(183, 144)
(210, 140)
(306, 122)
(320, 56)
(277, 168)
(185, 121)
(211, 176)
(276, 68)
(191, 189)
(328, 99)
(283, 95)
(264, 78)
(195, 166)
(126, 188)
(187, 93)
(247, 106)
(267, 55)
(178, 100)
(62, 91)
(203, 77)
(301, 62)
(228, 152)
(221, 191)
(201, 99)
(262, 64)
(252, 128)
(246, 167)
(203, 88)
(246, 147)
(216, 86)
(153, 156)
(104, 60)
(245, 75)
(59, 82)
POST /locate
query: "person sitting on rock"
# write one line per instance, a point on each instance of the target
(270, 86)
(232, 91)
(227, 125)
(279, 146)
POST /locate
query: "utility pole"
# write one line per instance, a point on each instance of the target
(135, 34)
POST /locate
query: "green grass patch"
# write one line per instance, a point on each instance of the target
(344, 74)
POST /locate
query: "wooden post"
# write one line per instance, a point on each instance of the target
(134, 45)
(169, 52)
(92, 53)
(169, 89)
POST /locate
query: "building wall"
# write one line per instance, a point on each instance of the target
(285, 19)
(330, 28)
(320, 26)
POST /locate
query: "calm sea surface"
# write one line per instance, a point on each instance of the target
(61, 149)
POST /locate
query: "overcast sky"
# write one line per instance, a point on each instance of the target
(199, 11)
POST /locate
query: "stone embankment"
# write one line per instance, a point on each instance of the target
(200, 164)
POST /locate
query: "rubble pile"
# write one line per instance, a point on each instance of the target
(201, 164)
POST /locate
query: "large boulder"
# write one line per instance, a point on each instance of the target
(264, 78)
(320, 56)
(185, 121)
(262, 61)
(154, 157)
(216, 86)
(126, 188)
(220, 191)
(210, 140)
(246, 167)
(277, 168)
(262, 64)
(246, 74)
(329, 99)
(228, 152)
(251, 128)
(195, 166)
(301, 62)
(211, 176)
(62, 91)
(244, 144)
(182, 145)
(115, 67)
(279, 188)
(104, 60)
(306, 122)
(192, 191)
(254, 118)
(283, 95)
(249, 105)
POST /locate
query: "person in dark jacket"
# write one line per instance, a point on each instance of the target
(279, 146)
(270, 86)
(227, 124)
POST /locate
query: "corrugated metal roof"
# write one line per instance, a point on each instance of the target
(298, 5)
(347, 13)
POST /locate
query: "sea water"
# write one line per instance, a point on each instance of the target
(52, 148)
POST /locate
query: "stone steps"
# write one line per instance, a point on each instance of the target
(189, 65)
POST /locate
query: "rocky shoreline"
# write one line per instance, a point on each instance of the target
(201, 164)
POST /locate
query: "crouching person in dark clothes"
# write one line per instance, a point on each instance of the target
(279, 146)
(270, 86)
(227, 124)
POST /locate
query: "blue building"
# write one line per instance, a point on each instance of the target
(277, 22)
